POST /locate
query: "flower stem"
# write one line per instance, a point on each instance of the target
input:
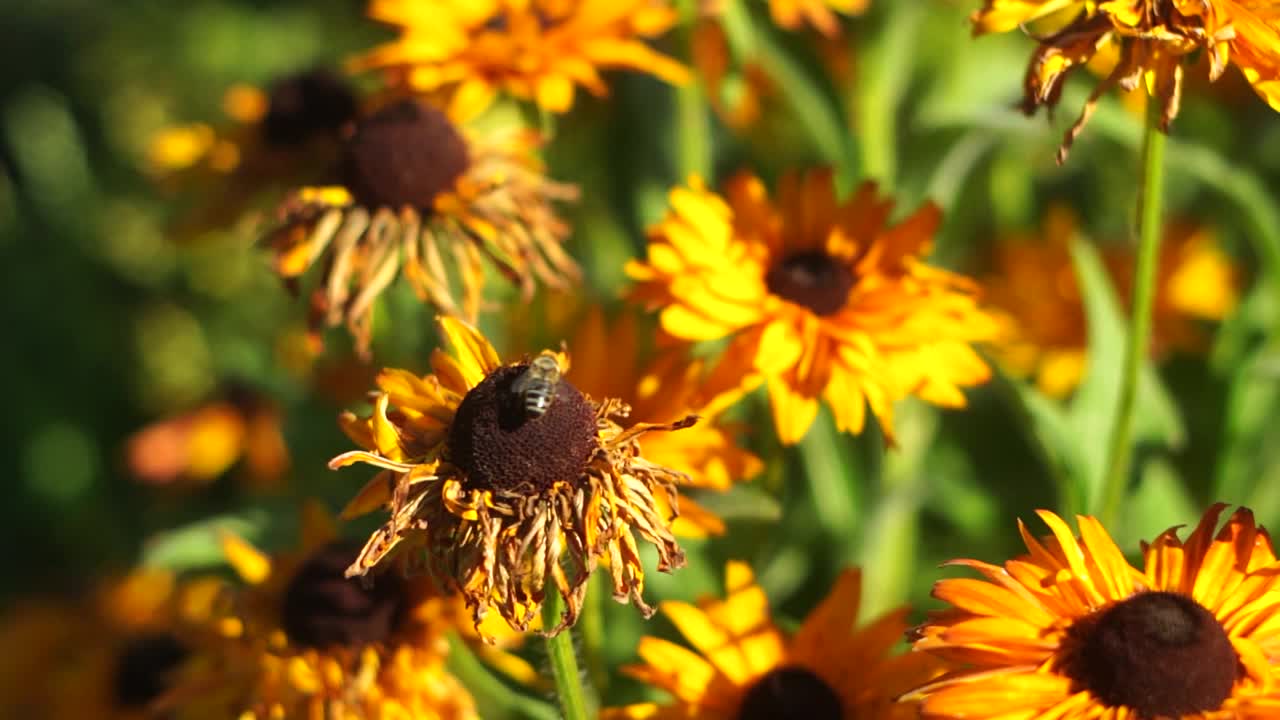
(1150, 196)
(693, 122)
(564, 661)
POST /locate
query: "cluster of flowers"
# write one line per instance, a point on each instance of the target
(504, 482)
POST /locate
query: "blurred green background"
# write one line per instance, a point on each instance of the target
(112, 324)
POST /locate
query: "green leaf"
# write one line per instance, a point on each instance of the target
(1091, 412)
(199, 545)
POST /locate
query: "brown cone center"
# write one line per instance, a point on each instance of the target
(790, 693)
(143, 668)
(500, 445)
(1161, 654)
(406, 154)
(323, 608)
(813, 279)
(306, 104)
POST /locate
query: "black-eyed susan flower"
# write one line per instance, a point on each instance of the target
(1150, 40)
(610, 362)
(817, 297)
(1033, 289)
(302, 640)
(199, 445)
(425, 197)
(501, 479)
(745, 667)
(276, 137)
(468, 51)
(117, 653)
(1072, 631)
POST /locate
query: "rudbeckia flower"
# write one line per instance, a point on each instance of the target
(745, 667)
(468, 51)
(1072, 631)
(502, 478)
(199, 445)
(610, 362)
(118, 653)
(302, 640)
(1033, 289)
(276, 136)
(817, 297)
(425, 197)
(1151, 39)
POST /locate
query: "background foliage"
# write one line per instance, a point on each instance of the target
(113, 324)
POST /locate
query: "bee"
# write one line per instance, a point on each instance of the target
(536, 386)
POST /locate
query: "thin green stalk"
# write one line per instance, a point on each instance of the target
(823, 453)
(563, 659)
(493, 697)
(592, 626)
(1150, 197)
(693, 120)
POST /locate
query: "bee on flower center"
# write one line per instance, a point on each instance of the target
(536, 386)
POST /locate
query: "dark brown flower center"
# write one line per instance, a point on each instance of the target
(813, 279)
(500, 445)
(405, 154)
(307, 104)
(143, 668)
(1161, 654)
(323, 608)
(790, 693)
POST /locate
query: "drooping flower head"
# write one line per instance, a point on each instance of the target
(425, 197)
(469, 51)
(1072, 631)
(302, 640)
(1151, 39)
(818, 298)
(502, 478)
(745, 667)
(1033, 288)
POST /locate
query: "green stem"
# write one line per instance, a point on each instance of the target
(879, 87)
(827, 465)
(693, 121)
(1150, 196)
(564, 661)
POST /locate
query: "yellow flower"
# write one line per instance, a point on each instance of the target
(607, 361)
(746, 667)
(1151, 40)
(118, 654)
(821, 14)
(817, 298)
(503, 478)
(301, 640)
(467, 51)
(423, 196)
(1072, 631)
(1033, 288)
(199, 445)
(276, 136)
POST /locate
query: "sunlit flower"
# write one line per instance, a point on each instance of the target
(199, 445)
(746, 667)
(468, 51)
(302, 640)
(821, 14)
(1151, 41)
(116, 654)
(425, 197)
(609, 361)
(1072, 631)
(501, 479)
(817, 298)
(1033, 288)
(275, 137)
